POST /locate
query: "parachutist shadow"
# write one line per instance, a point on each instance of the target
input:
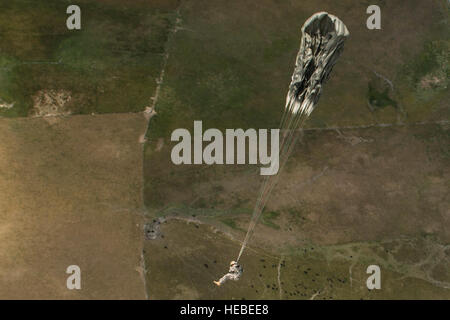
(234, 273)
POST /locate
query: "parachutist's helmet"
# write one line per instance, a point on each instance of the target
(232, 262)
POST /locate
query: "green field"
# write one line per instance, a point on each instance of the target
(108, 66)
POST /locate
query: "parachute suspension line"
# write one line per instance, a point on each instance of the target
(290, 135)
(256, 211)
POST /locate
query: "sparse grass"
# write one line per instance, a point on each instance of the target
(108, 66)
(190, 257)
(232, 224)
(76, 183)
(437, 141)
(423, 82)
(268, 218)
(435, 54)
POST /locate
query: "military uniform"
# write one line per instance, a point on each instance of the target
(233, 274)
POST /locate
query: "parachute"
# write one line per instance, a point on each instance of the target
(323, 37)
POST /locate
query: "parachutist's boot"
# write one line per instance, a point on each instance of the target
(217, 283)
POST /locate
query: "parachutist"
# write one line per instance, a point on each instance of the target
(233, 274)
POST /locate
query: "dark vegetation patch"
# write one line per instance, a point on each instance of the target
(380, 98)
